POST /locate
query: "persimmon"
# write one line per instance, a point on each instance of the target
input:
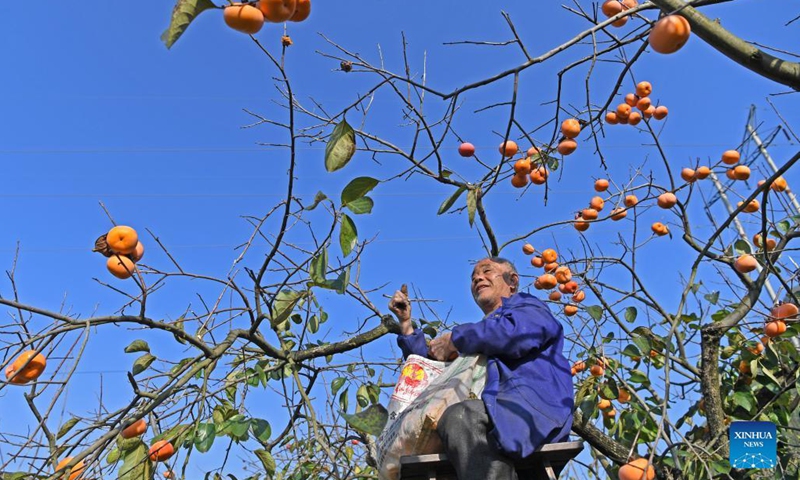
(466, 149)
(537, 285)
(741, 172)
(744, 368)
(508, 148)
(730, 174)
(667, 200)
(581, 226)
(528, 249)
(302, 11)
(578, 296)
(611, 118)
(243, 18)
(643, 104)
(611, 413)
(785, 311)
(669, 34)
(620, 22)
(779, 185)
(555, 295)
(688, 175)
(522, 166)
(572, 370)
(771, 243)
(638, 469)
(757, 349)
(566, 147)
(122, 239)
(570, 128)
(580, 365)
(120, 266)
(533, 151)
(135, 429)
(277, 11)
(548, 281)
(630, 99)
(624, 396)
(27, 367)
(631, 201)
(603, 404)
(549, 255)
(644, 89)
(519, 181)
(597, 370)
(774, 328)
(661, 112)
(539, 175)
(622, 120)
(703, 173)
(623, 110)
(634, 118)
(659, 229)
(649, 112)
(137, 253)
(589, 214)
(745, 263)
(74, 472)
(597, 203)
(550, 267)
(570, 287)
(611, 8)
(161, 451)
(537, 262)
(629, 3)
(730, 157)
(618, 214)
(601, 185)
(751, 207)
(570, 310)
(563, 274)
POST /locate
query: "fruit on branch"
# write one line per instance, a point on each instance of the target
(785, 311)
(466, 149)
(567, 146)
(589, 214)
(528, 249)
(519, 181)
(643, 104)
(634, 118)
(277, 10)
(120, 266)
(243, 18)
(623, 110)
(661, 112)
(539, 175)
(631, 201)
(637, 469)
(659, 229)
(603, 404)
(549, 255)
(522, 166)
(27, 367)
(135, 429)
(537, 262)
(611, 118)
(570, 310)
(597, 370)
(624, 396)
(644, 89)
(597, 203)
(137, 253)
(581, 226)
(578, 296)
(630, 99)
(618, 214)
(669, 34)
(611, 8)
(547, 281)
(609, 413)
(703, 173)
(729, 173)
(550, 267)
(569, 287)
(630, 3)
(741, 172)
(122, 239)
(76, 470)
(667, 200)
(563, 274)
(771, 243)
(579, 366)
(508, 148)
(161, 451)
(286, 41)
(745, 263)
(688, 175)
(730, 157)
(774, 328)
(751, 207)
(302, 11)
(570, 128)
(649, 112)
(779, 185)
(533, 151)
(601, 185)
(757, 349)
(555, 296)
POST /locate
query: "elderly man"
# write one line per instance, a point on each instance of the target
(528, 398)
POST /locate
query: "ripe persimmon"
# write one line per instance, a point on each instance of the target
(579, 366)
(643, 103)
(688, 175)
(508, 148)
(302, 11)
(120, 266)
(74, 472)
(27, 367)
(774, 328)
(630, 99)
(603, 404)
(555, 295)
(570, 128)
(563, 274)
(637, 469)
(601, 185)
(597, 203)
(785, 311)
(570, 310)
(549, 255)
(751, 207)
(644, 89)
(137, 253)
(522, 166)
(548, 281)
(779, 185)
(550, 267)
(537, 262)
(669, 34)
(539, 175)
(611, 413)
(631, 201)
(624, 396)
(756, 349)
(661, 112)
(589, 214)
(466, 149)
(622, 120)
(243, 18)
(611, 8)
(570, 287)
(730, 157)
(277, 11)
(519, 181)
(634, 118)
(771, 243)
(730, 174)
(703, 173)
(135, 429)
(623, 110)
(161, 451)
(578, 296)
(537, 285)
(528, 249)
(618, 214)
(629, 3)
(533, 151)
(566, 147)
(741, 172)
(620, 22)
(597, 370)
(611, 118)
(667, 200)
(122, 239)
(581, 226)
(659, 229)
(745, 263)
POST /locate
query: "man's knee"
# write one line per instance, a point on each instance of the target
(461, 417)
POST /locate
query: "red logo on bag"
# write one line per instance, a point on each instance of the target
(413, 375)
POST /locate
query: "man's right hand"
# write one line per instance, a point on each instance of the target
(401, 307)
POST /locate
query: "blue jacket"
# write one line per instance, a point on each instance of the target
(528, 393)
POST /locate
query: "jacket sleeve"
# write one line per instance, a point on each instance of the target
(413, 344)
(510, 332)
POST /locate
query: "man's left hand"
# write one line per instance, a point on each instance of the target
(442, 348)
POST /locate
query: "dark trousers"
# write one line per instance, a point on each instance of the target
(464, 427)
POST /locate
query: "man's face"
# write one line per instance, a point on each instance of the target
(488, 284)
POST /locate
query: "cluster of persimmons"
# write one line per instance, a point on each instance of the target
(625, 113)
(250, 17)
(122, 247)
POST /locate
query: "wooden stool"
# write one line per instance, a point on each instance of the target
(545, 463)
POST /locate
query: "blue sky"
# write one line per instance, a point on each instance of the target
(96, 110)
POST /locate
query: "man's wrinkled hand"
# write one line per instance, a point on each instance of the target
(400, 305)
(442, 348)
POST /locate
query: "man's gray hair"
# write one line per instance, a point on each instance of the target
(507, 275)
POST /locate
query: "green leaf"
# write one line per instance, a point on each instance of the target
(179, 325)
(341, 146)
(261, 429)
(744, 400)
(236, 427)
(66, 427)
(135, 464)
(313, 324)
(784, 226)
(643, 344)
(595, 311)
(361, 206)
(630, 314)
(343, 400)
(448, 203)
(638, 376)
(348, 235)
(142, 363)
(204, 436)
(112, 456)
(137, 346)
(182, 15)
(362, 396)
(319, 197)
(472, 204)
(718, 316)
(338, 383)
(357, 188)
(741, 247)
(712, 297)
(370, 421)
(342, 281)
(283, 304)
(267, 461)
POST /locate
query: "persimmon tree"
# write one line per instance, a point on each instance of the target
(659, 372)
